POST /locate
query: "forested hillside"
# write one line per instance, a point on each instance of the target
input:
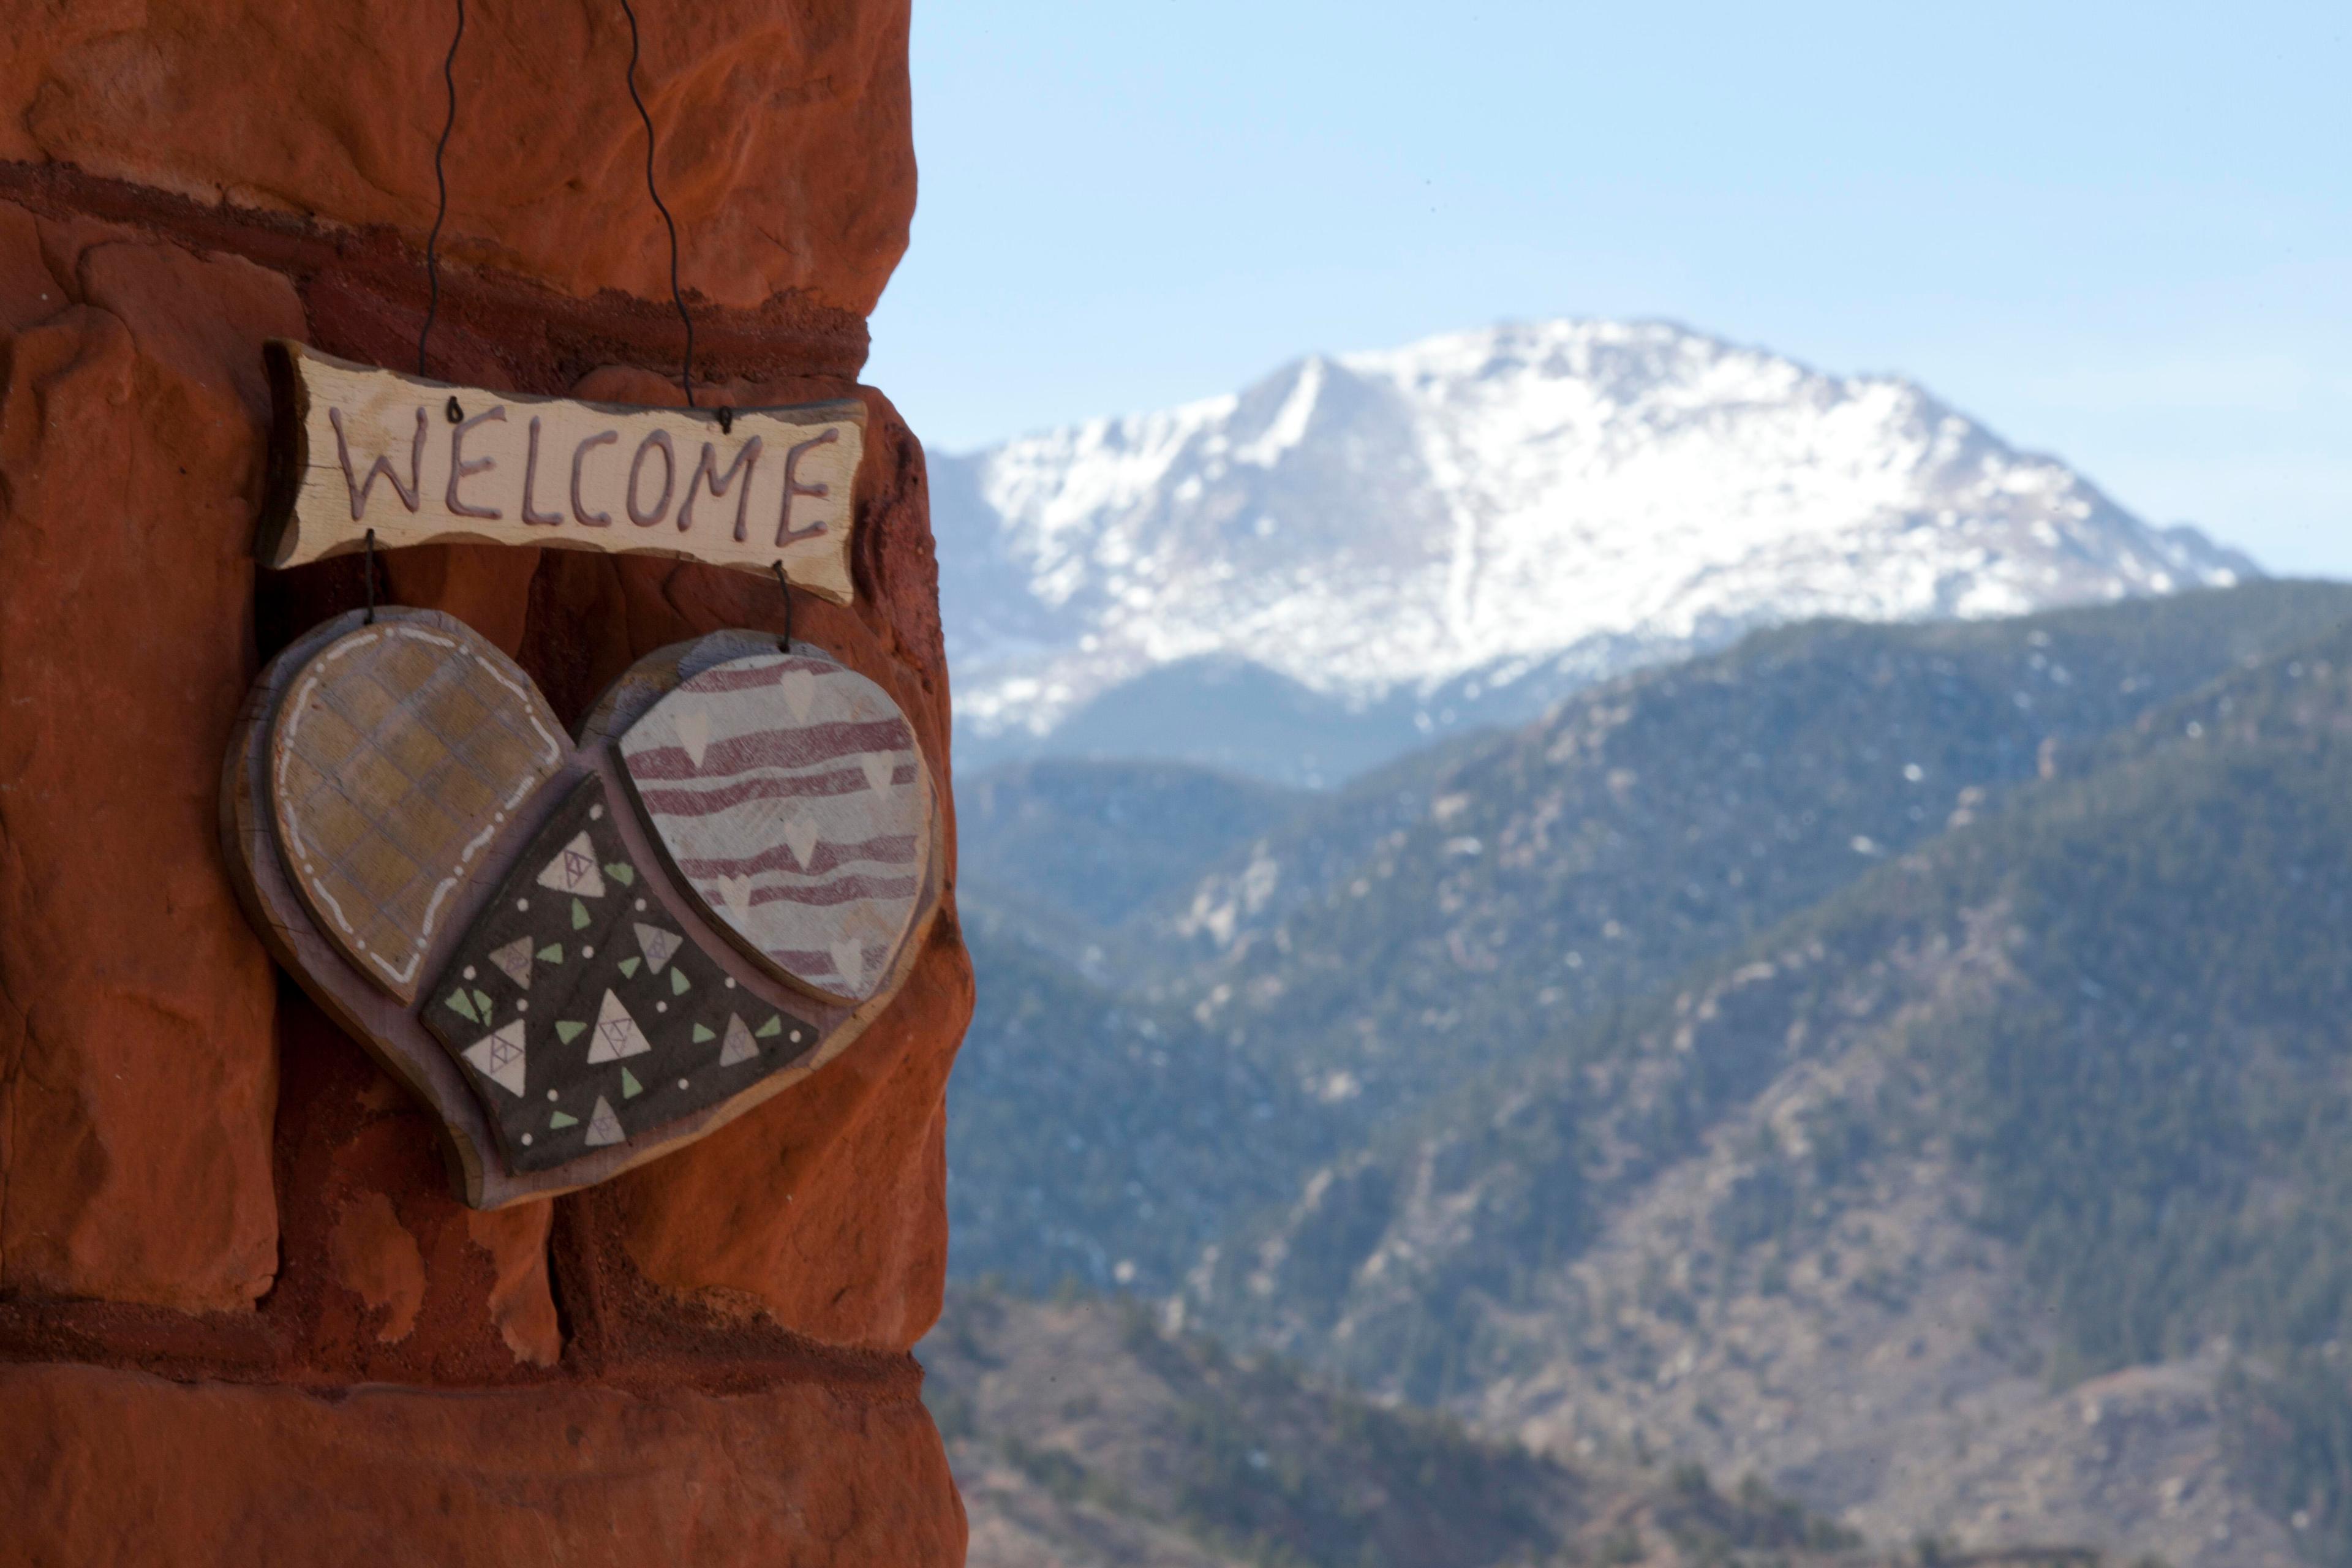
(2054, 1096)
(1904, 1063)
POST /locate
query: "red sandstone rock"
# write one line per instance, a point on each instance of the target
(726, 1379)
(387, 1277)
(514, 1240)
(377, 1259)
(136, 1063)
(785, 145)
(101, 1468)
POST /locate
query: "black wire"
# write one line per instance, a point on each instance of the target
(441, 184)
(785, 642)
(369, 567)
(677, 297)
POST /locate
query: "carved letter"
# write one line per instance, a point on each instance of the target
(658, 439)
(382, 465)
(707, 466)
(530, 476)
(459, 468)
(580, 511)
(785, 532)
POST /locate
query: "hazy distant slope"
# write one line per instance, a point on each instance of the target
(2001, 1193)
(1383, 947)
(1084, 1437)
(1359, 958)
(1457, 530)
(1072, 848)
(1095, 1138)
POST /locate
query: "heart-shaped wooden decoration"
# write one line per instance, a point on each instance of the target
(481, 900)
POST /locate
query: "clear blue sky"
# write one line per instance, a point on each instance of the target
(2119, 232)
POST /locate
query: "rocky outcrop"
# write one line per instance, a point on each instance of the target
(573, 1476)
(136, 1062)
(785, 151)
(238, 1303)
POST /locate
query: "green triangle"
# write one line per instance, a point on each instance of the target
(579, 915)
(458, 1004)
(629, 967)
(482, 1001)
(567, 1030)
(621, 871)
(630, 1087)
(559, 1120)
(551, 953)
(679, 983)
(769, 1029)
(702, 1032)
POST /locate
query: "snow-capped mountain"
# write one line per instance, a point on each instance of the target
(1467, 526)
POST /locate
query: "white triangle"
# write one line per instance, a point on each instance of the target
(657, 945)
(735, 892)
(514, 961)
(800, 836)
(739, 1045)
(603, 1127)
(878, 771)
(617, 1033)
(849, 963)
(498, 1057)
(694, 733)
(573, 870)
(799, 688)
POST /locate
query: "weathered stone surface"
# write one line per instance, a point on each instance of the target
(824, 1208)
(785, 148)
(387, 1277)
(100, 1468)
(137, 1067)
(377, 1259)
(180, 1134)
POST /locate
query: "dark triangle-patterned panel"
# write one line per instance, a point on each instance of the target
(580, 1014)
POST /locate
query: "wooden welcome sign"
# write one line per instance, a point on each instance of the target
(420, 462)
(580, 950)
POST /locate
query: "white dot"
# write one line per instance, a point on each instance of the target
(363, 942)
(682, 1083)
(661, 1006)
(526, 1138)
(595, 813)
(522, 1006)
(522, 903)
(796, 1036)
(551, 1094)
(469, 971)
(730, 983)
(587, 951)
(641, 904)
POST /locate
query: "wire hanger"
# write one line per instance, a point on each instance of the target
(441, 207)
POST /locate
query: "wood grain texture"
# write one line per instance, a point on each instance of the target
(355, 447)
(789, 794)
(397, 755)
(395, 1035)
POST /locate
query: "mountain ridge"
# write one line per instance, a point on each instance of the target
(1459, 531)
